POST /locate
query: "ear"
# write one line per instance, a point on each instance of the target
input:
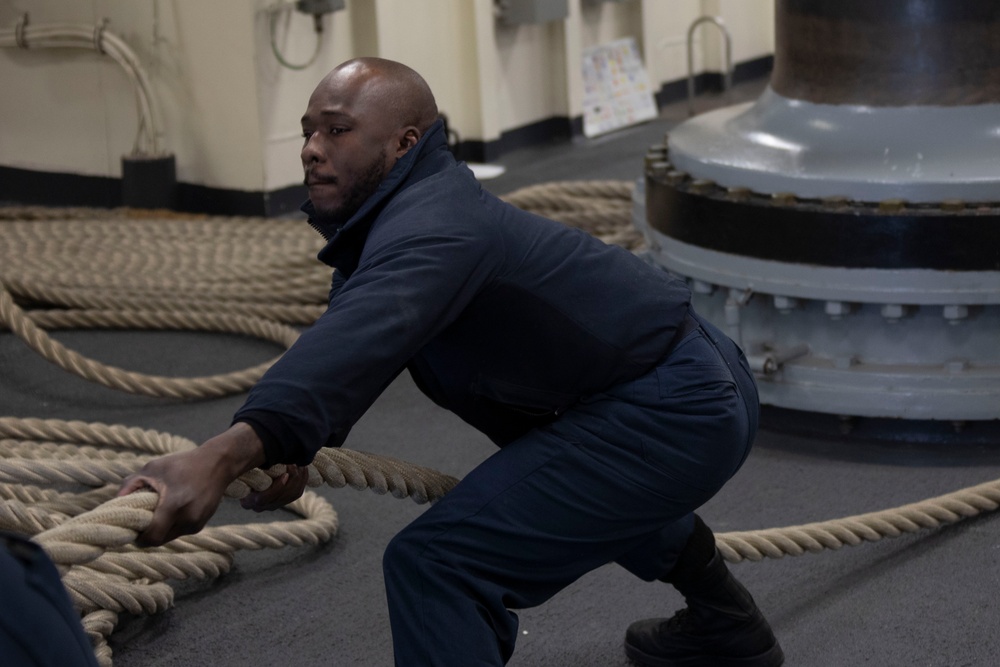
(408, 138)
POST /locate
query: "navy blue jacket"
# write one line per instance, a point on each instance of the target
(501, 316)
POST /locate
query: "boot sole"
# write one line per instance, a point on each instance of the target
(773, 657)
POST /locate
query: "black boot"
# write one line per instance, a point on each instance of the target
(721, 626)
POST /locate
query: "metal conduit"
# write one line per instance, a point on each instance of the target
(97, 38)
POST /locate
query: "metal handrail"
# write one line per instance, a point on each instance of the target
(728, 76)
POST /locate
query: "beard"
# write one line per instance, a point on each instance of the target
(366, 182)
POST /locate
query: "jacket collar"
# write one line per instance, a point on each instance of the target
(432, 140)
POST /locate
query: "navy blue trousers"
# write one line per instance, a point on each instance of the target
(615, 479)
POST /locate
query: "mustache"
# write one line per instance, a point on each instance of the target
(313, 179)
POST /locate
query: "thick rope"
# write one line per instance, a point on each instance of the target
(256, 283)
(927, 514)
(601, 208)
(170, 272)
(64, 465)
(213, 386)
(91, 542)
(105, 575)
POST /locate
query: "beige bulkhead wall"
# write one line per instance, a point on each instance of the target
(74, 111)
(231, 112)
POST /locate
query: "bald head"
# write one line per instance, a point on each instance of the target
(394, 91)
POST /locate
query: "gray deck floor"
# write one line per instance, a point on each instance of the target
(928, 599)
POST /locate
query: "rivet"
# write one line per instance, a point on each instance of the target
(785, 304)
(702, 186)
(891, 205)
(739, 297)
(676, 177)
(738, 193)
(837, 309)
(702, 287)
(654, 158)
(659, 168)
(835, 202)
(893, 312)
(955, 313)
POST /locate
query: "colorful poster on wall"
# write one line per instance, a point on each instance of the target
(616, 89)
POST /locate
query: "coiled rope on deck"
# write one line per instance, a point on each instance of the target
(80, 268)
(89, 533)
(602, 208)
(100, 269)
(251, 276)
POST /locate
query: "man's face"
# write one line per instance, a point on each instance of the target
(347, 143)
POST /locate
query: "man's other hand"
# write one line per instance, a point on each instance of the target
(284, 489)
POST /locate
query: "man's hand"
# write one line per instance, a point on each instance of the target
(191, 483)
(284, 489)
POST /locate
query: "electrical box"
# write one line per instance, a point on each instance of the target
(320, 7)
(516, 12)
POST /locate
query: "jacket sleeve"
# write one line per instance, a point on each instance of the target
(416, 274)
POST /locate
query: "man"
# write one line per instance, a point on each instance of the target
(617, 411)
